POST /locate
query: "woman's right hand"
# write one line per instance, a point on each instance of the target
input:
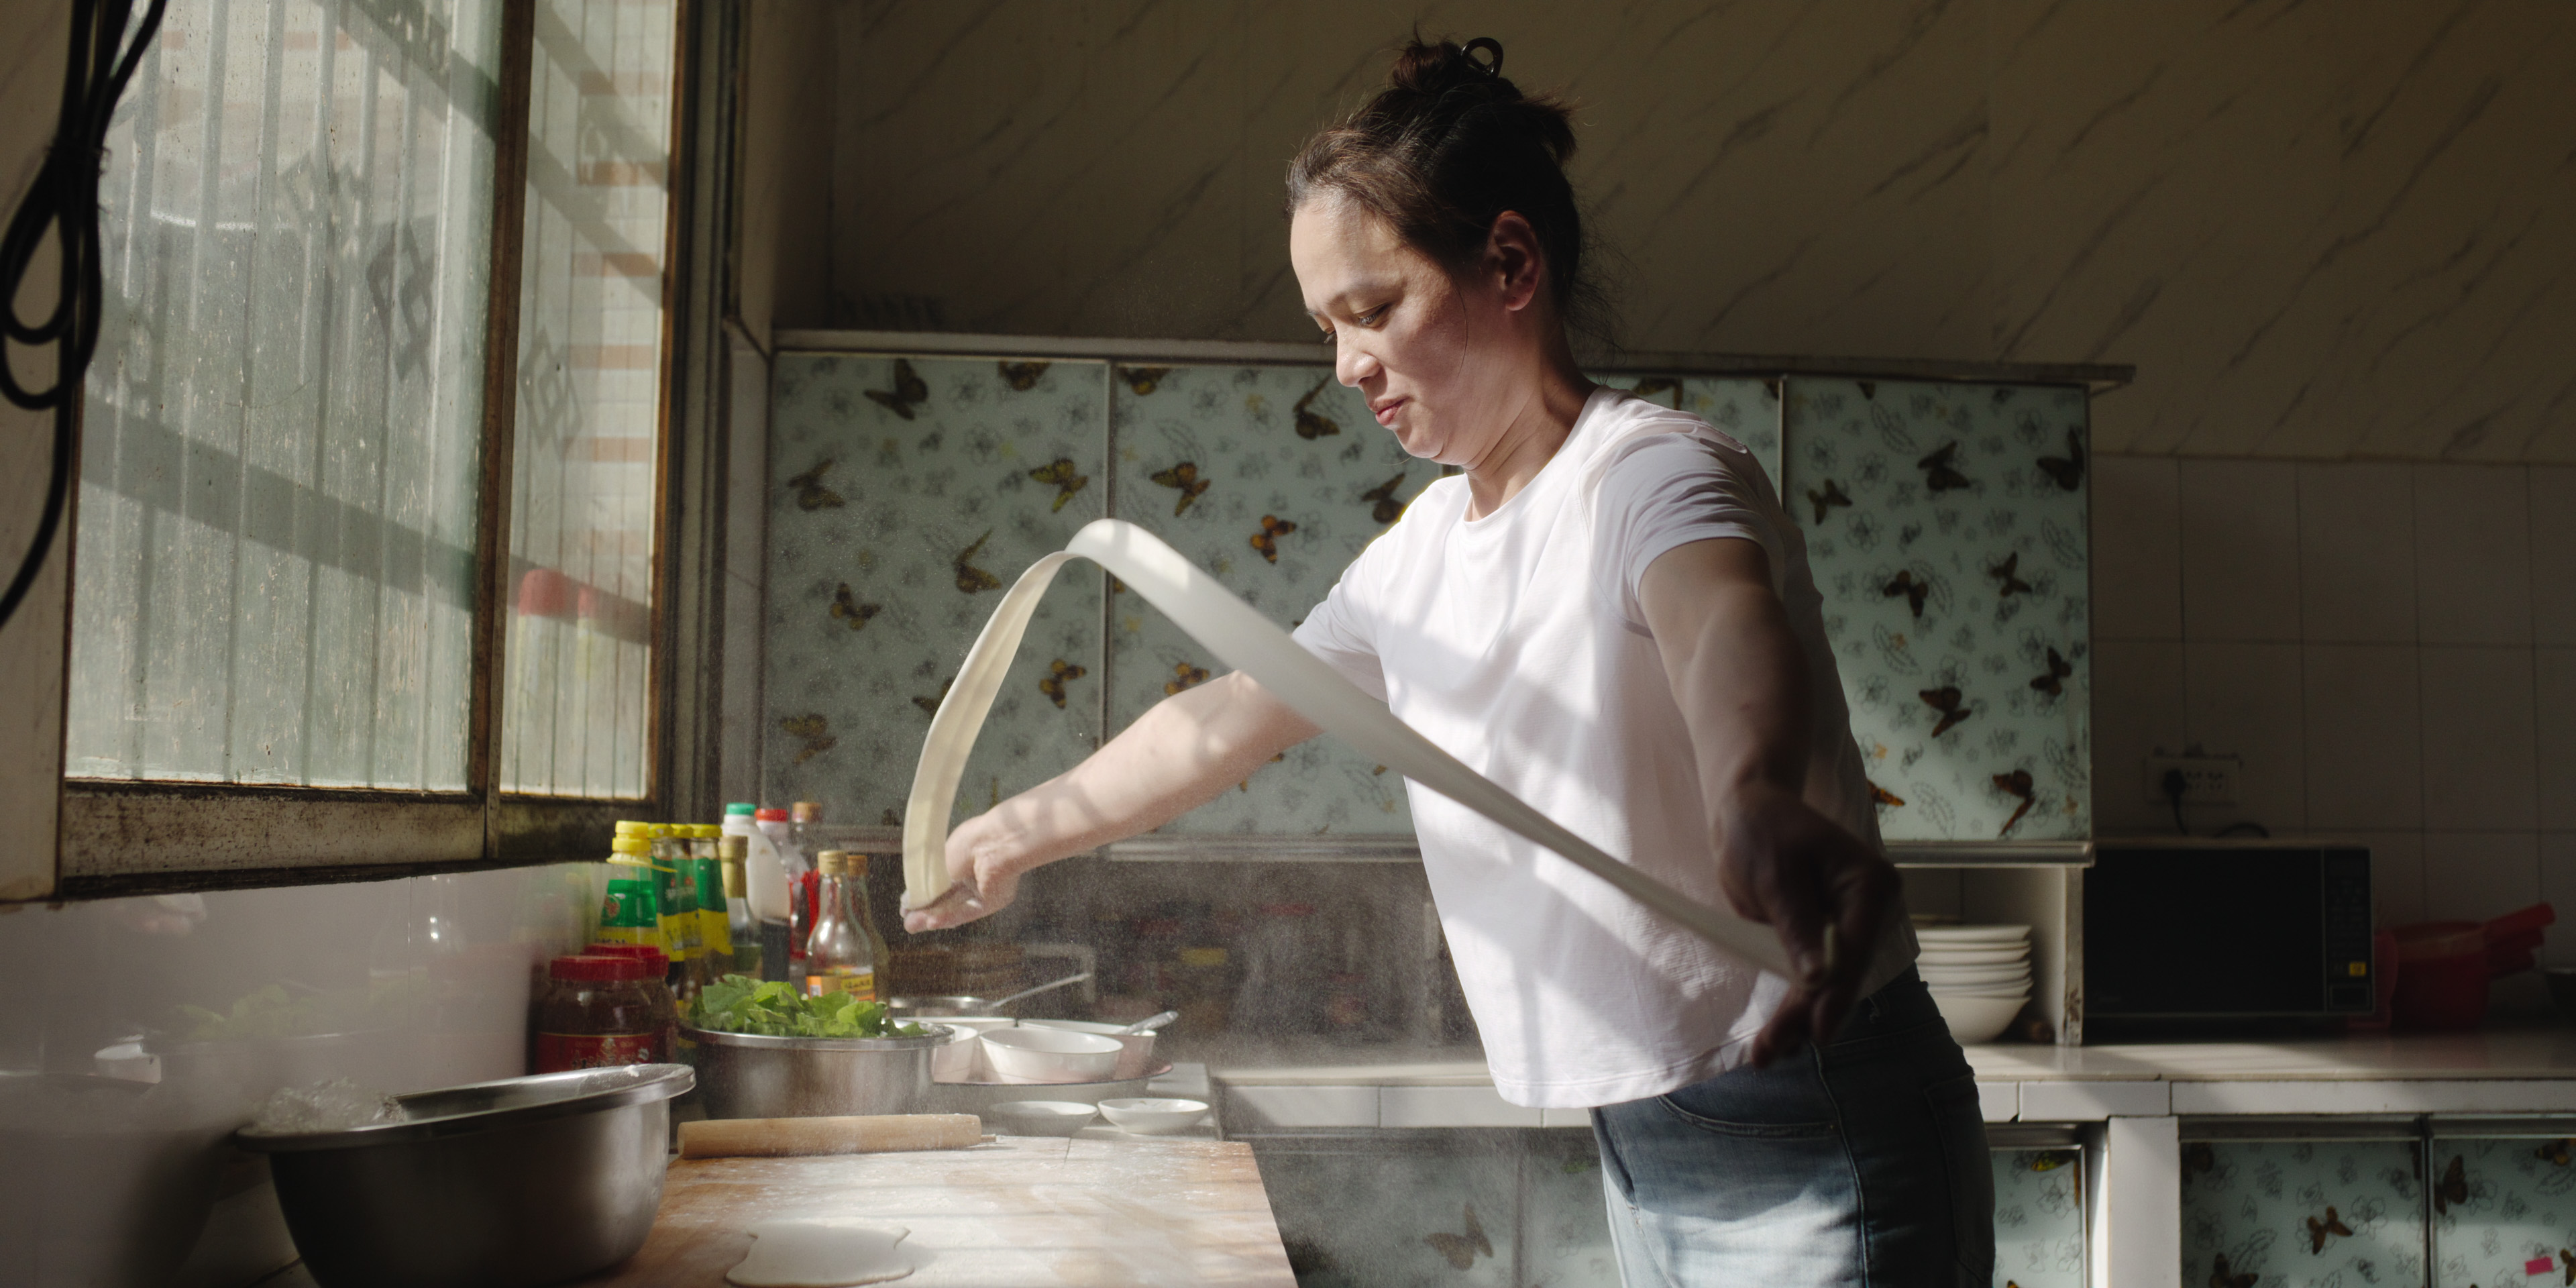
(981, 881)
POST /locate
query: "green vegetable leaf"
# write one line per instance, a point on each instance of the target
(740, 1004)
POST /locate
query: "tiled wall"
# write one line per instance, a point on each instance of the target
(2390, 647)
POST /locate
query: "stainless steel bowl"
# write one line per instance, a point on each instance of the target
(512, 1183)
(745, 1075)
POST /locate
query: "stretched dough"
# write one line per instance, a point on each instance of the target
(1248, 642)
(820, 1254)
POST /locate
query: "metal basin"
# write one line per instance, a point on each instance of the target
(744, 1075)
(512, 1183)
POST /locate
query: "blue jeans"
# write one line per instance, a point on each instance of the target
(1860, 1163)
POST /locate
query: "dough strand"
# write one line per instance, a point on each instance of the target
(1251, 643)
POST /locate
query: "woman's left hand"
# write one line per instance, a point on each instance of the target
(1825, 890)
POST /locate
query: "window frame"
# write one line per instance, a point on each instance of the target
(122, 837)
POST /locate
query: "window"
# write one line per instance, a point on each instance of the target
(350, 275)
(591, 359)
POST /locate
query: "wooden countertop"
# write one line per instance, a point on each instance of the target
(1025, 1212)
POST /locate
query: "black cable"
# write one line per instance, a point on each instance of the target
(64, 197)
(2175, 785)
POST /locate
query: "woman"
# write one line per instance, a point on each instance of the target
(1610, 615)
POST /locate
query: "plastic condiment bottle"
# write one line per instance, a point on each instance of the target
(715, 926)
(838, 959)
(631, 911)
(594, 1013)
(740, 925)
(764, 873)
(679, 909)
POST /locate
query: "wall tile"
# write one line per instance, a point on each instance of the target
(2472, 554)
(2396, 875)
(2137, 707)
(2558, 889)
(2363, 746)
(2356, 553)
(2554, 685)
(2137, 548)
(2479, 743)
(2471, 876)
(2246, 700)
(2553, 541)
(2240, 550)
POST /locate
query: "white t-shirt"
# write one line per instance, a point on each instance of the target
(1516, 642)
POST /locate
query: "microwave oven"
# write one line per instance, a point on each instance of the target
(2225, 936)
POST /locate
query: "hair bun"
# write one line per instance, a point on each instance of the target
(1440, 67)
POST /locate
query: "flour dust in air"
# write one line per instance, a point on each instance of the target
(821, 1254)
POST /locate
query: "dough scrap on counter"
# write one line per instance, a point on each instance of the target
(821, 1254)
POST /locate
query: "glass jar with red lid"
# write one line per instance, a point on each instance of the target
(657, 985)
(594, 1012)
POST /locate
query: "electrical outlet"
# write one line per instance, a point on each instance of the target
(2206, 780)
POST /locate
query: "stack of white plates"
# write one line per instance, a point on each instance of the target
(1979, 976)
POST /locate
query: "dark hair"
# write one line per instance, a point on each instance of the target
(1445, 149)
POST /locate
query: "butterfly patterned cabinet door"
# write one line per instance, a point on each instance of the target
(2504, 1211)
(2039, 1218)
(1272, 479)
(1947, 528)
(1746, 409)
(2304, 1214)
(905, 494)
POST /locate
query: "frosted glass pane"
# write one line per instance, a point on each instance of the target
(275, 558)
(590, 399)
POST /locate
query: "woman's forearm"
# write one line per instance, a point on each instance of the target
(1174, 758)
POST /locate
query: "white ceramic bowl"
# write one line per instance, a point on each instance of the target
(1148, 1116)
(1954, 936)
(957, 1059)
(1977, 1019)
(1974, 956)
(1937, 975)
(1133, 1061)
(1981, 990)
(1051, 1055)
(1039, 1117)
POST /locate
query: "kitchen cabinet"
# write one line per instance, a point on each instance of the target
(905, 494)
(1272, 479)
(1746, 408)
(2451, 1211)
(1947, 529)
(2502, 1207)
(2039, 1218)
(2303, 1212)
(1946, 525)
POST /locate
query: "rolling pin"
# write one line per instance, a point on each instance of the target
(870, 1134)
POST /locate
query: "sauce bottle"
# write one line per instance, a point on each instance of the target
(844, 955)
(631, 911)
(741, 928)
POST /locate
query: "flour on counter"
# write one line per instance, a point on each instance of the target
(821, 1254)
